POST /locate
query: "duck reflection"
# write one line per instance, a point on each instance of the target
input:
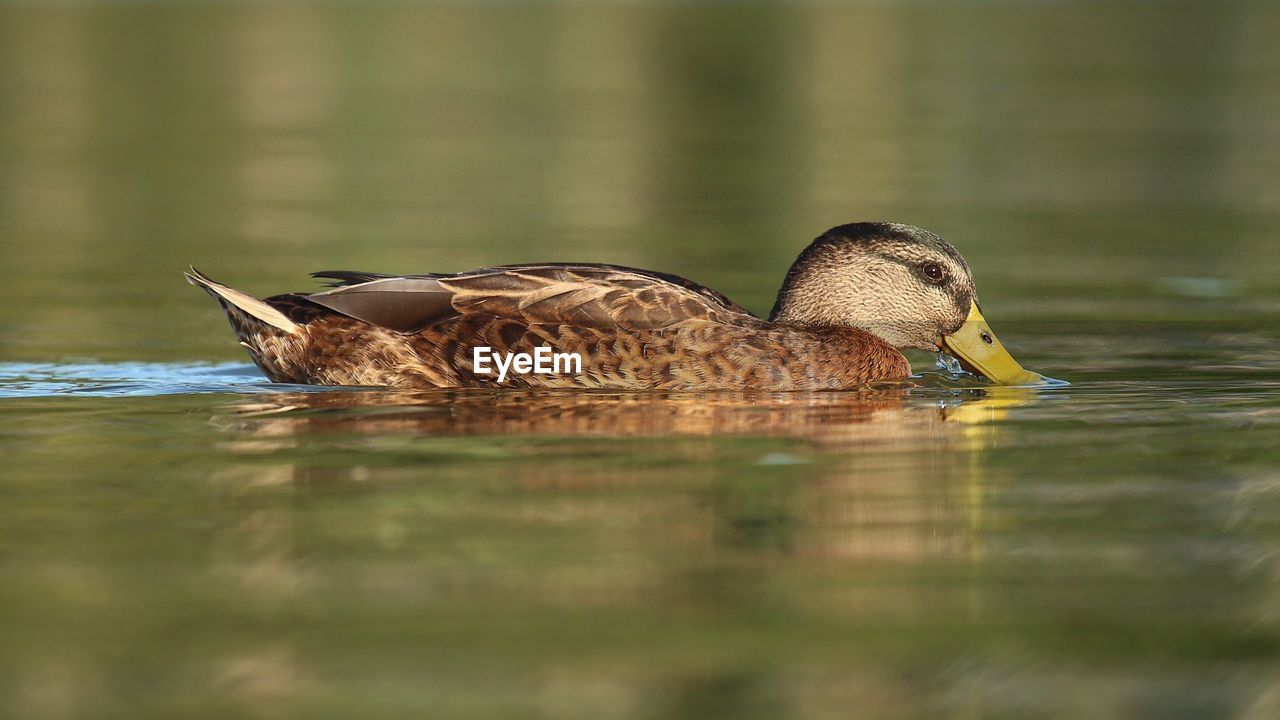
(784, 517)
(886, 473)
(874, 415)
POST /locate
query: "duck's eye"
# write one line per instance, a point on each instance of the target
(934, 272)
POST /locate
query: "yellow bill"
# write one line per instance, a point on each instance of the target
(980, 350)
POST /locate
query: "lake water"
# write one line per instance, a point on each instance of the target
(179, 537)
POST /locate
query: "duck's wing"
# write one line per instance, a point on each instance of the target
(342, 278)
(594, 296)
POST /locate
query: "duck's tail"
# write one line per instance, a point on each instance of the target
(233, 300)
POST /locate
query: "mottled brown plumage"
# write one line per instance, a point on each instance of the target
(633, 329)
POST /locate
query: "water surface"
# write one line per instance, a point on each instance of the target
(179, 537)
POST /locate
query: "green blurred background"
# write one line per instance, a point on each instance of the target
(1077, 152)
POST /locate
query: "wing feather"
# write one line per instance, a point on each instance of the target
(592, 296)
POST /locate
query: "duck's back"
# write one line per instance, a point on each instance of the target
(549, 325)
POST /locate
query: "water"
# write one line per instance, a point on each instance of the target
(179, 537)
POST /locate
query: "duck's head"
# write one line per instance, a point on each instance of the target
(906, 285)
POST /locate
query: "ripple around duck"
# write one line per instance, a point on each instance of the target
(129, 379)
(143, 379)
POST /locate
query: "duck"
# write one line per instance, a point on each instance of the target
(854, 299)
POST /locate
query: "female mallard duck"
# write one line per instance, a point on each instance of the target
(853, 297)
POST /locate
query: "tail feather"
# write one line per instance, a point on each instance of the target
(245, 303)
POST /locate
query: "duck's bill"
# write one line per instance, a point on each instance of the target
(979, 350)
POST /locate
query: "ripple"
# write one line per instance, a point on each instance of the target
(129, 379)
